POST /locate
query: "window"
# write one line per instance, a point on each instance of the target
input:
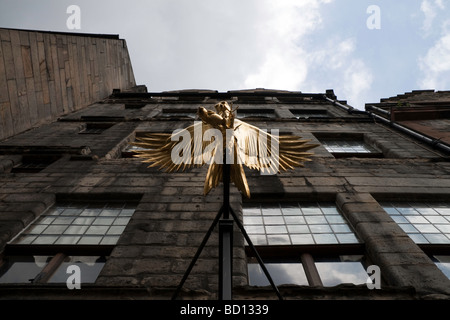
(179, 113)
(296, 224)
(428, 225)
(69, 233)
(96, 128)
(425, 223)
(348, 145)
(34, 163)
(135, 104)
(282, 273)
(301, 242)
(78, 223)
(255, 113)
(443, 263)
(49, 269)
(309, 113)
(326, 271)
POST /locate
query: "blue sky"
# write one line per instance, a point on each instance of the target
(303, 45)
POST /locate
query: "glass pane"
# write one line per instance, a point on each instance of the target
(97, 230)
(76, 230)
(67, 240)
(443, 263)
(281, 239)
(116, 230)
(83, 221)
(273, 220)
(251, 220)
(423, 222)
(70, 223)
(21, 269)
(45, 240)
(321, 221)
(108, 240)
(54, 229)
(90, 267)
(281, 273)
(302, 239)
(334, 273)
(90, 240)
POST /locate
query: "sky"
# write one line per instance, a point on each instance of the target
(364, 50)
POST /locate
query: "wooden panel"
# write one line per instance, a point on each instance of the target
(44, 75)
(26, 60)
(6, 122)
(4, 95)
(9, 60)
(14, 105)
(35, 62)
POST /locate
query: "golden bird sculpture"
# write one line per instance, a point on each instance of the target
(219, 133)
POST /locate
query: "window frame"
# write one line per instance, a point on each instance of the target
(47, 272)
(303, 253)
(322, 137)
(309, 113)
(96, 127)
(60, 251)
(34, 163)
(430, 249)
(178, 113)
(252, 113)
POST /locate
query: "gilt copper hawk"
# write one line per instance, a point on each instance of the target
(246, 145)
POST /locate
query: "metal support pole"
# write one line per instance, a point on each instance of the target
(226, 238)
(225, 244)
(226, 259)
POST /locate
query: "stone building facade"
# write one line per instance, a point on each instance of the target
(367, 218)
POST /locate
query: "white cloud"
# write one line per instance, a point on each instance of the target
(430, 10)
(291, 61)
(358, 80)
(284, 64)
(435, 65)
(342, 70)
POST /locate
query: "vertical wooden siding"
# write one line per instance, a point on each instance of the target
(44, 75)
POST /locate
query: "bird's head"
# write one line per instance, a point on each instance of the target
(225, 110)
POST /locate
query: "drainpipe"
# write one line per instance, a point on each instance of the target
(435, 143)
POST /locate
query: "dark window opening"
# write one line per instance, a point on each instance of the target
(179, 113)
(346, 145)
(135, 105)
(80, 233)
(34, 163)
(252, 99)
(309, 113)
(95, 128)
(49, 269)
(255, 113)
(309, 269)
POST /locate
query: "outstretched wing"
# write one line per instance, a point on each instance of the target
(158, 148)
(269, 153)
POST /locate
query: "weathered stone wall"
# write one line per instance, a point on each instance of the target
(172, 216)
